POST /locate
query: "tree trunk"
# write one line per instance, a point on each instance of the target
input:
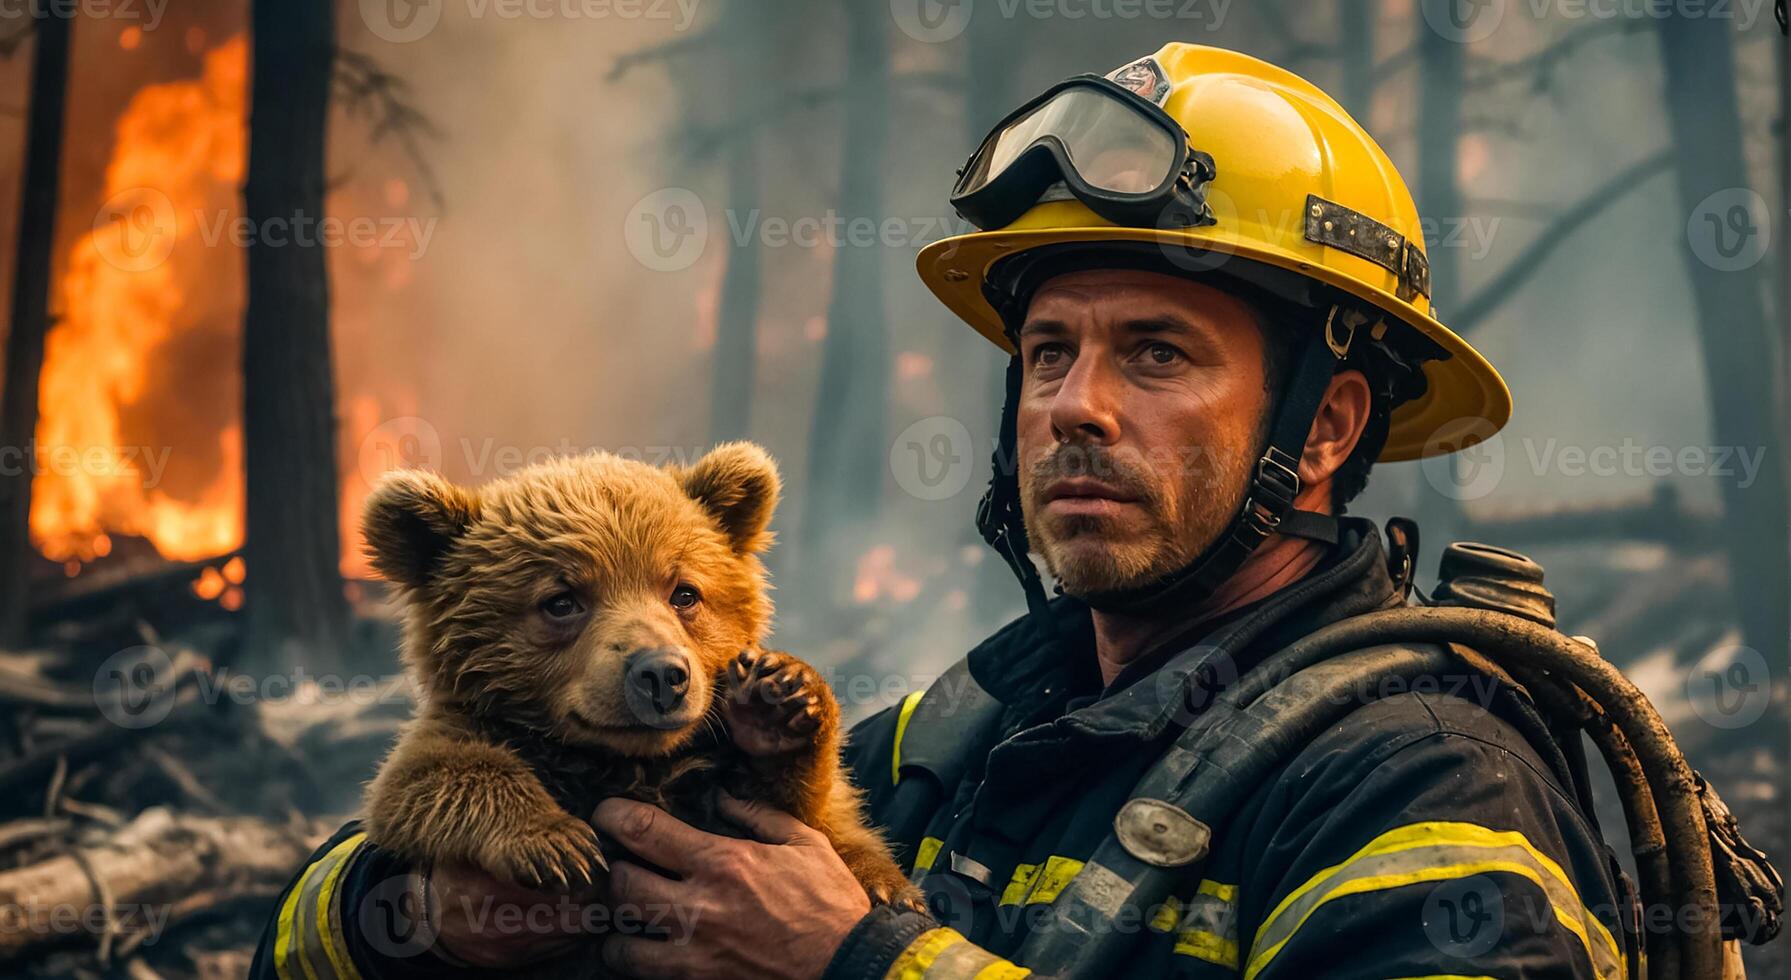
(1442, 65)
(296, 610)
(1356, 19)
(737, 321)
(847, 443)
(1727, 293)
(38, 190)
(990, 95)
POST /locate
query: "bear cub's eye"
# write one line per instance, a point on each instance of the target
(562, 606)
(685, 596)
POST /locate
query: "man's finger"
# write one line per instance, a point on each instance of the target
(651, 833)
(648, 959)
(767, 825)
(631, 884)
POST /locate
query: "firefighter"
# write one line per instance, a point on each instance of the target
(1212, 286)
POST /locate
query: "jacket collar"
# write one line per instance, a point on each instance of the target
(1036, 669)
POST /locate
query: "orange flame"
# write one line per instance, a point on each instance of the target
(179, 145)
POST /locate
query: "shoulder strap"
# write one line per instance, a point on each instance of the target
(939, 729)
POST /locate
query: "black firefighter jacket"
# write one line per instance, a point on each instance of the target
(1421, 837)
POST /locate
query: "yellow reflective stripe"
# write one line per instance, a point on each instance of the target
(927, 853)
(308, 907)
(1438, 851)
(1209, 927)
(329, 918)
(1019, 884)
(1224, 893)
(1203, 945)
(944, 954)
(283, 928)
(1054, 878)
(920, 954)
(1168, 914)
(909, 703)
(1033, 884)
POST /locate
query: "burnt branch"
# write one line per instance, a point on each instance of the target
(1514, 275)
(677, 47)
(371, 94)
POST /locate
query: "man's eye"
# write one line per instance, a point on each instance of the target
(685, 596)
(562, 606)
(1162, 354)
(1050, 356)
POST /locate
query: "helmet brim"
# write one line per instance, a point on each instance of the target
(1465, 401)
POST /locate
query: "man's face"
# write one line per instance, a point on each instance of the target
(1139, 417)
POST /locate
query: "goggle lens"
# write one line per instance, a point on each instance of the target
(1112, 147)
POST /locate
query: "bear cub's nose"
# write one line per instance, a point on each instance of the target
(657, 681)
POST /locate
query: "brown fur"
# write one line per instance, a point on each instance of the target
(509, 752)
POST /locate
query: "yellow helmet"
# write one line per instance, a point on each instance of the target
(1300, 187)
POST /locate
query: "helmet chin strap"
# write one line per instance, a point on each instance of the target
(1268, 507)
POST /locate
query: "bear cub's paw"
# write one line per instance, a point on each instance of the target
(773, 703)
(553, 851)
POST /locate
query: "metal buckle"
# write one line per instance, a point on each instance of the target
(1279, 476)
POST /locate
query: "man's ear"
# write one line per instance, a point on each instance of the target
(737, 483)
(411, 519)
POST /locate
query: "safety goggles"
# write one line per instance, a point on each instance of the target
(1116, 152)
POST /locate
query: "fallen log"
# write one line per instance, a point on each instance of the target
(141, 879)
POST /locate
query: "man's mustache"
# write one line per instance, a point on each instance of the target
(1124, 476)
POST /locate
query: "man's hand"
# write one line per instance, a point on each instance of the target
(483, 921)
(775, 906)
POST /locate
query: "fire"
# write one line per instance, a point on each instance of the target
(878, 578)
(124, 297)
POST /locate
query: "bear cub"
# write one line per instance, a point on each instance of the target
(591, 627)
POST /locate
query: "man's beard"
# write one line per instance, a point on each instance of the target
(1180, 508)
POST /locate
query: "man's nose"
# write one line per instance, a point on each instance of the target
(1083, 409)
(657, 680)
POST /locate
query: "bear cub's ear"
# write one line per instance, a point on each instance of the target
(737, 483)
(411, 519)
